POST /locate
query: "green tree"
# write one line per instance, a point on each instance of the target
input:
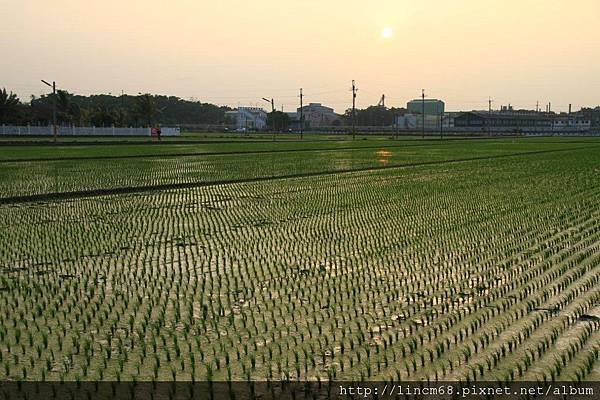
(68, 111)
(278, 120)
(102, 116)
(106, 109)
(121, 117)
(373, 116)
(145, 109)
(9, 104)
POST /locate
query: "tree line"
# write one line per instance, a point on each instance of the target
(108, 110)
(149, 110)
(370, 116)
(373, 116)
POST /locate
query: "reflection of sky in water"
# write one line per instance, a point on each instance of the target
(383, 156)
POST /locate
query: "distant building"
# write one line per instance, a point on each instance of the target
(571, 123)
(449, 118)
(294, 120)
(505, 120)
(316, 115)
(414, 122)
(592, 114)
(248, 118)
(431, 106)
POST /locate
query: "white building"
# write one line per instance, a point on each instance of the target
(248, 118)
(571, 124)
(316, 115)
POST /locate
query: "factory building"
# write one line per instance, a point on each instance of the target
(503, 120)
(431, 106)
(571, 123)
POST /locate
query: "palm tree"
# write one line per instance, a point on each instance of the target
(120, 116)
(63, 101)
(68, 110)
(102, 116)
(145, 108)
(8, 104)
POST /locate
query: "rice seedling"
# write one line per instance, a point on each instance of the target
(454, 271)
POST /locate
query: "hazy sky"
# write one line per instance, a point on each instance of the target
(236, 51)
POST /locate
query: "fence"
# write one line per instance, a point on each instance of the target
(12, 130)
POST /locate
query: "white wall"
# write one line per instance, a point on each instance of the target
(12, 130)
(414, 121)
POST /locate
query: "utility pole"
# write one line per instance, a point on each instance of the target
(397, 127)
(422, 113)
(537, 106)
(489, 116)
(272, 114)
(441, 125)
(301, 116)
(272, 103)
(122, 117)
(53, 86)
(551, 115)
(353, 110)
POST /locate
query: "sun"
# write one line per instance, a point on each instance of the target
(387, 32)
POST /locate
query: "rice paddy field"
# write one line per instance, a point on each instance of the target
(372, 259)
